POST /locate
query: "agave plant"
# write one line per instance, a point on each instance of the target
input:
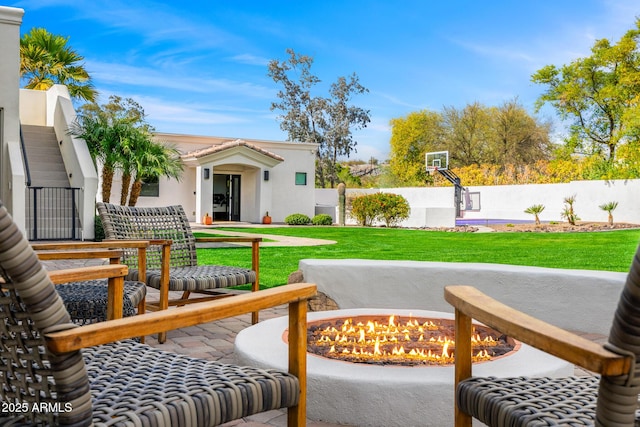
(609, 207)
(535, 210)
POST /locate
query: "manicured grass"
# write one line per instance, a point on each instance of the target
(605, 250)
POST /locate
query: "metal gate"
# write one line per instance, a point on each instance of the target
(52, 213)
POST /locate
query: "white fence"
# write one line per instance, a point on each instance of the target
(434, 207)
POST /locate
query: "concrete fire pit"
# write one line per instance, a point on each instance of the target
(384, 396)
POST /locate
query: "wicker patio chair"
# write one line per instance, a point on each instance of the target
(88, 301)
(608, 400)
(172, 263)
(56, 373)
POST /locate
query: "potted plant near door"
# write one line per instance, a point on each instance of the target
(266, 219)
(206, 219)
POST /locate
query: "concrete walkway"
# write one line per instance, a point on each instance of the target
(272, 239)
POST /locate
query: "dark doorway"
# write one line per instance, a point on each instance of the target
(226, 197)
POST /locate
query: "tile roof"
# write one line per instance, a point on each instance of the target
(228, 145)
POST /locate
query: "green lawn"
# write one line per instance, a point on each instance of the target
(605, 250)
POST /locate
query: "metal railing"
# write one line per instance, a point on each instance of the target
(52, 213)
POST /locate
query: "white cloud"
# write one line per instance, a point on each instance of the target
(250, 60)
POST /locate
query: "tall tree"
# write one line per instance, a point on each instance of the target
(308, 118)
(599, 94)
(467, 134)
(120, 139)
(340, 119)
(411, 138)
(516, 137)
(45, 60)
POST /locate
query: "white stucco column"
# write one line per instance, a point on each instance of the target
(204, 191)
(265, 194)
(10, 21)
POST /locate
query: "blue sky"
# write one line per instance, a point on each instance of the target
(200, 67)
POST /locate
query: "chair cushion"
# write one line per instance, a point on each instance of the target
(530, 401)
(86, 301)
(199, 277)
(135, 383)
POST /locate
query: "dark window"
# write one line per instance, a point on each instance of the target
(150, 187)
(301, 178)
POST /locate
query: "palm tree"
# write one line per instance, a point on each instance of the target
(157, 160)
(45, 60)
(105, 138)
(609, 207)
(535, 210)
(568, 211)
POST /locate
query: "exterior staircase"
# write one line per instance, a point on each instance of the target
(52, 212)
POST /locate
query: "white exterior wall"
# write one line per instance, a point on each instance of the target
(33, 107)
(12, 173)
(287, 197)
(171, 192)
(510, 201)
(433, 206)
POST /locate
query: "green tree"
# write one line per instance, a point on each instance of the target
(535, 210)
(609, 207)
(467, 132)
(119, 138)
(599, 94)
(516, 138)
(411, 138)
(156, 161)
(327, 122)
(46, 60)
(104, 138)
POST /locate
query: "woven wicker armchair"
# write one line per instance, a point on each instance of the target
(56, 373)
(608, 400)
(89, 301)
(172, 263)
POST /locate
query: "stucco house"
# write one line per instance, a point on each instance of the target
(236, 179)
(49, 183)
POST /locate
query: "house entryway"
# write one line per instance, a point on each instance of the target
(226, 197)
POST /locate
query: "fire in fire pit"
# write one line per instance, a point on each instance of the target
(399, 341)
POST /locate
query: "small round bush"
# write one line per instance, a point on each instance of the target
(322, 219)
(297, 219)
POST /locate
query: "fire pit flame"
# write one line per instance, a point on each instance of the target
(375, 340)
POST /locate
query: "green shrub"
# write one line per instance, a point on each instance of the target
(364, 209)
(98, 229)
(393, 208)
(322, 219)
(297, 219)
(388, 207)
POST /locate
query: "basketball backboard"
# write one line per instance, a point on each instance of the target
(437, 160)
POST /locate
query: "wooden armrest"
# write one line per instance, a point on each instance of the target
(180, 317)
(88, 273)
(75, 254)
(544, 336)
(110, 244)
(148, 241)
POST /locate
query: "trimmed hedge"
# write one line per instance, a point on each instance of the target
(322, 219)
(297, 219)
